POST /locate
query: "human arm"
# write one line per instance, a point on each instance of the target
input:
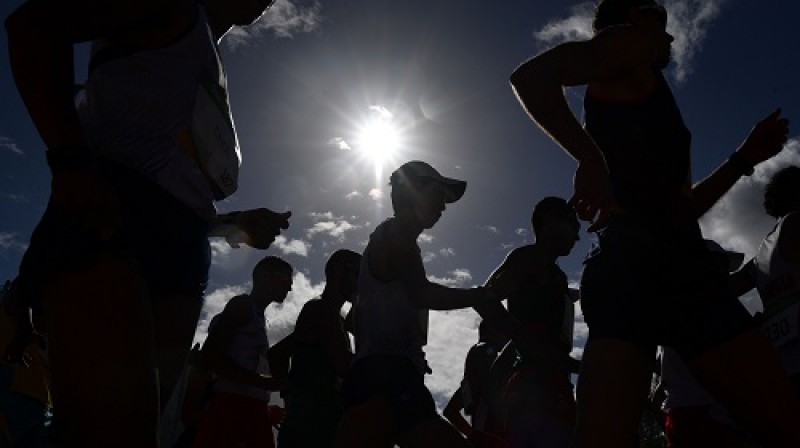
(789, 239)
(452, 412)
(764, 141)
(396, 257)
(235, 315)
(539, 82)
(257, 228)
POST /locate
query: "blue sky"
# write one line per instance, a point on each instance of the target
(311, 74)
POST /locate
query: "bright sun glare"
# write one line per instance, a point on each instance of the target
(378, 140)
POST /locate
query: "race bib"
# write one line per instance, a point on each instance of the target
(782, 326)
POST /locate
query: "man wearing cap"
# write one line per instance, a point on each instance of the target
(385, 395)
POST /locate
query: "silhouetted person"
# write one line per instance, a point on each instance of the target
(120, 258)
(236, 352)
(385, 395)
(473, 395)
(537, 399)
(650, 280)
(320, 358)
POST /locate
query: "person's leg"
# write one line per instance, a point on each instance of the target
(612, 390)
(433, 433)
(746, 376)
(102, 355)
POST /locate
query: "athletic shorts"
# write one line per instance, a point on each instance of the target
(656, 289)
(159, 234)
(399, 380)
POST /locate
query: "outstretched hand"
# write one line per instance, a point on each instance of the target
(259, 227)
(765, 139)
(592, 198)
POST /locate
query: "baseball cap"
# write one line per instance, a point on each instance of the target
(415, 170)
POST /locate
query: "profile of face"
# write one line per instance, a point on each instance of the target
(277, 284)
(653, 19)
(563, 231)
(430, 203)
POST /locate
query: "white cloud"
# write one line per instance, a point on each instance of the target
(427, 257)
(688, 23)
(521, 232)
(425, 238)
(335, 229)
(220, 251)
(324, 216)
(353, 194)
(11, 241)
(450, 335)
(490, 228)
(339, 143)
(283, 20)
(9, 144)
(447, 252)
(457, 278)
(286, 246)
(738, 220)
(376, 194)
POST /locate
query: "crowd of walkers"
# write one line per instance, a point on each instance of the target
(98, 325)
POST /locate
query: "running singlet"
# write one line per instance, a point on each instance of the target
(647, 150)
(546, 310)
(385, 321)
(138, 111)
(248, 350)
(778, 284)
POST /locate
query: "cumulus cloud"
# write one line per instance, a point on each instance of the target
(425, 238)
(11, 241)
(447, 252)
(738, 220)
(450, 335)
(285, 19)
(376, 194)
(287, 246)
(688, 22)
(352, 195)
(10, 145)
(335, 228)
(457, 278)
(427, 257)
(220, 251)
(491, 229)
(339, 143)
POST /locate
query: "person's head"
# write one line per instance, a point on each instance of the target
(419, 189)
(555, 224)
(782, 195)
(272, 279)
(342, 269)
(647, 14)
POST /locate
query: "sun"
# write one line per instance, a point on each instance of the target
(378, 140)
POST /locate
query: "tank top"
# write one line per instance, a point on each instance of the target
(385, 320)
(137, 110)
(248, 350)
(646, 146)
(545, 309)
(778, 284)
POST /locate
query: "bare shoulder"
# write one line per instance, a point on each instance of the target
(614, 53)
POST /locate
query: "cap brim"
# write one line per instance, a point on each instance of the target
(454, 189)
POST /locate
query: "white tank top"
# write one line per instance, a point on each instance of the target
(778, 283)
(385, 320)
(248, 350)
(137, 111)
